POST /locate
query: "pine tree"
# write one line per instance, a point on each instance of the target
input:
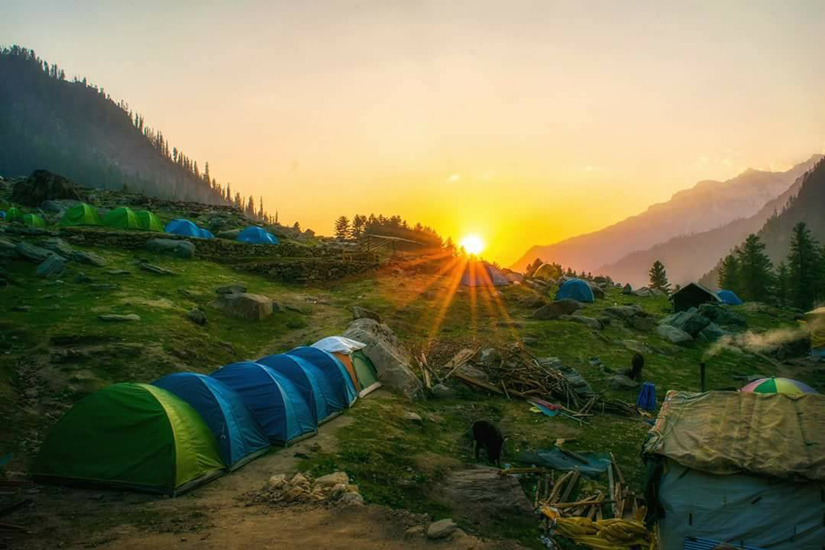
(803, 266)
(261, 208)
(342, 230)
(754, 270)
(729, 273)
(296, 226)
(658, 277)
(782, 284)
(358, 223)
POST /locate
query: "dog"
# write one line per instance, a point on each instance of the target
(487, 435)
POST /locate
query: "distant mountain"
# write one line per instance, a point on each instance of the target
(707, 205)
(807, 205)
(75, 129)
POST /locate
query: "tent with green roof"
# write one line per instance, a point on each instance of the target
(33, 220)
(149, 222)
(134, 436)
(121, 218)
(14, 215)
(80, 214)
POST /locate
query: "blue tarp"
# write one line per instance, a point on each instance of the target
(257, 235)
(310, 381)
(274, 400)
(239, 436)
(729, 297)
(575, 289)
(597, 463)
(334, 370)
(187, 229)
(647, 397)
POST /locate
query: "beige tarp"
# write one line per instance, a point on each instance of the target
(723, 432)
(816, 324)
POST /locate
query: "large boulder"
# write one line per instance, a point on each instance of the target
(33, 253)
(598, 291)
(722, 315)
(642, 292)
(711, 333)
(42, 186)
(90, 258)
(673, 335)
(391, 360)
(243, 305)
(58, 245)
(642, 322)
(690, 321)
(52, 267)
(172, 247)
(556, 309)
(359, 312)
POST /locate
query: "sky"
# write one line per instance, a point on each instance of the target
(525, 122)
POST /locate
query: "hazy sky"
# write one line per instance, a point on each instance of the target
(525, 122)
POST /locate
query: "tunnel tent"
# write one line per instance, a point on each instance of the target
(80, 214)
(14, 214)
(148, 221)
(575, 289)
(239, 437)
(480, 273)
(365, 371)
(341, 348)
(310, 381)
(121, 218)
(729, 298)
(333, 368)
(133, 436)
(33, 220)
(274, 400)
(187, 229)
(257, 235)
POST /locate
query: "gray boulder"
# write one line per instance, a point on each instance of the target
(41, 186)
(598, 291)
(89, 258)
(391, 360)
(690, 321)
(641, 322)
(58, 245)
(722, 315)
(359, 312)
(172, 247)
(589, 322)
(621, 382)
(442, 391)
(253, 307)
(33, 253)
(235, 288)
(441, 529)
(52, 267)
(482, 494)
(556, 309)
(117, 318)
(673, 335)
(197, 316)
(711, 333)
(231, 234)
(8, 249)
(57, 206)
(157, 270)
(643, 292)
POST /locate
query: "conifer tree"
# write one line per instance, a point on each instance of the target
(754, 270)
(658, 277)
(782, 284)
(342, 229)
(729, 273)
(803, 267)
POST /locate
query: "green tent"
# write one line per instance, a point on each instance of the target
(133, 436)
(80, 214)
(121, 218)
(365, 370)
(149, 221)
(14, 215)
(33, 220)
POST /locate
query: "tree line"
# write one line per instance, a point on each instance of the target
(393, 226)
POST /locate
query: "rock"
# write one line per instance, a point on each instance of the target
(690, 321)
(331, 480)
(624, 312)
(52, 267)
(41, 186)
(391, 360)
(82, 278)
(482, 495)
(441, 529)
(627, 290)
(197, 316)
(8, 249)
(658, 292)
(598, 291)
(673, 335)
(300, 480)
(589, 322)
(230, 234)
(414, 531)
(33, 253)
(556, 309)
(352, 499)
(550, 363)
(711, 333)
(277, 482)
(151, 268)
(89, 258)
(172, 247)
(119, 272)
(621, 382)
(117, 318)
(642, 323)
(412, 417)
(457, 534)
(722, 315)
(533, 301)
(364, 313)
(642, 292)
(488, 358)
(58, 245)
(441, 391)
(235, 288)
(253, 307)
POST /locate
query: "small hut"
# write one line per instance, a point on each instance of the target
(692, 295)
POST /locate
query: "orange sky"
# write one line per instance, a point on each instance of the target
(525, 122)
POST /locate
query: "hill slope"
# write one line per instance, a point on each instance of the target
(75, 129)
(709, 204)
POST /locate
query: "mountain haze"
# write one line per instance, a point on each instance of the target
(707, 205)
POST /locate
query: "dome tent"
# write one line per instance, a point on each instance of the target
(149, 222)
(479, 273)
(575, 289)
(240, 438)
(14, 214)
(205, 233)
(134, 436)
(33, 220)
(257, 235)
(80, 214)
(121, 218)
(310, 381)
(335, 371)
(274, 400)
(187, 229)
(729, 298)
(350, 353)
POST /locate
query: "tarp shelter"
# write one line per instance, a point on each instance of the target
(80, 214)
(310, 381)
(729, 298)
(257, 235)
(692, 295)
(349, 352)
(276, 403)
(134, 436)
(121, 218)
(741, 467)
(33, 220)
(333, 368)
(148, 221)
(815, 322)
(240, 438)
(575, 289)
(185, 228)
(14, 214)
(478, 273)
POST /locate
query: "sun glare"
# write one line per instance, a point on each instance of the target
(473, 244)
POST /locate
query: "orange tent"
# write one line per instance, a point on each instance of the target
(345, 359)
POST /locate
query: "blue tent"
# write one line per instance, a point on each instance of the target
(205, 233)
(575, 289)
(729, 297)
(274, 400)
(478, 273)
(257, 235)
(187, 229)
(2, 215)
(310, 381)
(334, 370)
(239, 436)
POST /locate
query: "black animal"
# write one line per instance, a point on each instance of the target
(487, 435)
(637, 363)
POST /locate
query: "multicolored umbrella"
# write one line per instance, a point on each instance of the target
(788, 386)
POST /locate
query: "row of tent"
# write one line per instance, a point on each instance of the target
(188, 428)
(15, 215)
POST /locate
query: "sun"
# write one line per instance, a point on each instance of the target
(473, 244)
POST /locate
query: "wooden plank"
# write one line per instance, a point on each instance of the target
(616, 465)
(479, 383)
(558, 487)
(570, 485)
